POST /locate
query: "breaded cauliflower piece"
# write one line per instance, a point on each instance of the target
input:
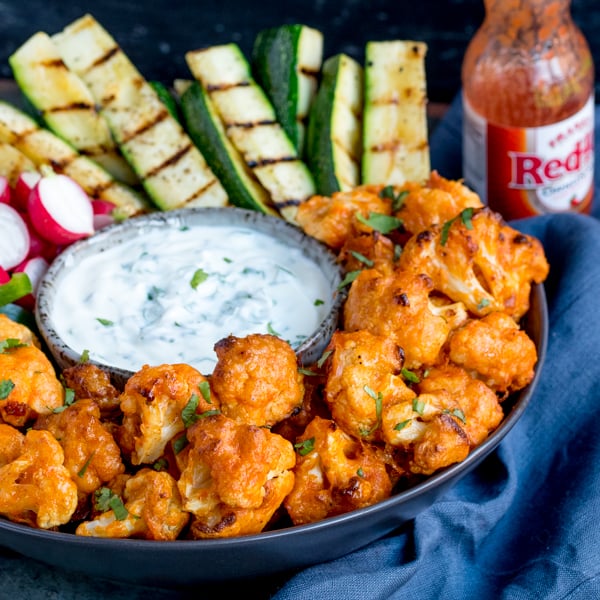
(436, 201)
(35, 487)
(334, 474)
(152, 510)
(480, 261)
(88, 381)
(11, 330)
(11, 443)
(152, 402)
(368, 250)
(479, 404)
(363, 381)
(397, 305)
(332, 219)
(256, 379)
(28, 385)
(92, 456)
(236, 477)
(495, 350)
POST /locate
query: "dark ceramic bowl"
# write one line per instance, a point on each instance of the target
(49, 292)
(186, 563)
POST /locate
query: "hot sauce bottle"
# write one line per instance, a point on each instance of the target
(528, 110)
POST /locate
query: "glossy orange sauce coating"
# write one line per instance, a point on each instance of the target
(507, 87)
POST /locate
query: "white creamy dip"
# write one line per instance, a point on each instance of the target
(171, 293)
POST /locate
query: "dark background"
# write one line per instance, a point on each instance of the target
(155, 35)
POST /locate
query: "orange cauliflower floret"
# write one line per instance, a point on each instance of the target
(256, 379)
(363, 381)
(11, 443)
(436, 201)
(398, 305)
(35, 487)
(89, 381)
(478, 403)
(91, 453)
(152, 509)
(332, 220)
(368, 249)
(11, 330)
(28, 384)
(152, 402)
(335, 473)
(236, 477)
(496, 351)
(477, 259)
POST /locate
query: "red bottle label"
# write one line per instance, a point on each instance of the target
(522, 172)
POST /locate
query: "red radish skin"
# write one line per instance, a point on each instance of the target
(103, 213)
(38, 246)
(4, 276)
(5, 191)
(25, 183)
(35, 268)
(60, 211)
(15, 240)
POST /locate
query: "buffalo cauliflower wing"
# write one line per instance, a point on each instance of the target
(334, 474)
(436, 201)
(11, 443)
(152, 402)
(35, 487)
(398, 305)
(332, 219)
(368, 249)
(11, 330)
(92, 456)
(363, 380)
(236, 477)
(152, 509)
(28, 384)
(256, 379)
(479, 260)
(88, 381)
(495, 350)
(478, 404)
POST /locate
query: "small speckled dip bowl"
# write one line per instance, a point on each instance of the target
(69, 329)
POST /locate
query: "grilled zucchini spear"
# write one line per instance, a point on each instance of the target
(169, 165)
(334, 138)
(251, 124)
(395, 146)
(286, 62)
(42, 147)
(65, 104)
(206, 130)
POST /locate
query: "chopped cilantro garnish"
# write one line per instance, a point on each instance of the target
(396, 198)
(319, 302)
(362, 258)
(199, 276)
(162, 464)
(402, 425)
(69, 399)
(271, 330)
(105, 499)
(105, 322)
(378, 397)
(86, 464)
(382, 223)
(85, 356)
(323, 358)
(180, 443)
(410, 376)
(204, 388)
(307, 372)
(10, 343)
(483, 303)
(418, 405)
(6, 387)
(459, 414)
(350, 277)
(360, 472)
(465, 216)
(305, 446)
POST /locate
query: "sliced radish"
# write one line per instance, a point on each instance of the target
(38, 246)
(5, 190)
(4, 276)
(14, 239)
(35, 268)
(60, 211)
(103, 213)
(25, 183)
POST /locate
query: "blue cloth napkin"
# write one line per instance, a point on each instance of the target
(525, 524)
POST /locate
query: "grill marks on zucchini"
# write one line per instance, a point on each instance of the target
(42, 147)
(171, 168)
(395, 140)
(251, 125)
(65, 104)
